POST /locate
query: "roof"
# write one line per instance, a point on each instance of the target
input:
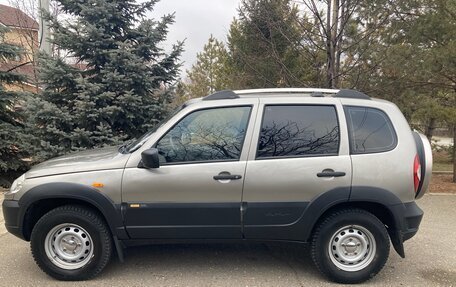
(14, 17)
(27, 70)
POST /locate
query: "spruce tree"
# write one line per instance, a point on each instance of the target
(12, 153)
(121, 85)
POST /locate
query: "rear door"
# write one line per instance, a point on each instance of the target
(299, 151)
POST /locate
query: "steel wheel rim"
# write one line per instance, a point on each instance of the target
(68, 246)
(352, 248)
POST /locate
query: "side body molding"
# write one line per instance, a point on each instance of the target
(74, 191)
(300, 229)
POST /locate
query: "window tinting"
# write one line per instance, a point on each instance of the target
(370, 130)
(298, 131)
(206, 135)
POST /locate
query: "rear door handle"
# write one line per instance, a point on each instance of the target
(226, 176)
(330, 173)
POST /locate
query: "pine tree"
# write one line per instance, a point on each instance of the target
(265, 46)
(11, 123)
(125, 86)
(209, 73)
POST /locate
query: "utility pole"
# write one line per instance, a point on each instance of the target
(44, 32)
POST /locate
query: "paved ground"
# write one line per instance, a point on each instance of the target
(430, 261)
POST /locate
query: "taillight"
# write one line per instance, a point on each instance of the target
(416, 173)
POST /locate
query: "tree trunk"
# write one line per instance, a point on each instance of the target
(329, 59)
(454, 153)
(429, 132)
(334, 30)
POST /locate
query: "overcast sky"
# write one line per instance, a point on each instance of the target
(195, 20)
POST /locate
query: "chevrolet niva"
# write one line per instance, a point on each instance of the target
(333, 168)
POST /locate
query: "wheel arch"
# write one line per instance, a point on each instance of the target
(380, 202)
(41, 199)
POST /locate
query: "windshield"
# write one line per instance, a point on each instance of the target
(132, 145)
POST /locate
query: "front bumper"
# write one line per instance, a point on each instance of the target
(11, 216)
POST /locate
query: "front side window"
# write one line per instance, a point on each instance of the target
(206, 135)
(370, 130)
(298, 130)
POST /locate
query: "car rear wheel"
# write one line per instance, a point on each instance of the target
(71, 243)
(350, 246)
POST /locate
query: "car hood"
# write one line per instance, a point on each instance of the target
(89, 160)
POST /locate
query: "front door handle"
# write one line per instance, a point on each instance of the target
(330, 173)
(224, 175)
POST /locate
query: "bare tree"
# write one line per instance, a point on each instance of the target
(27, 38)
(343, 30)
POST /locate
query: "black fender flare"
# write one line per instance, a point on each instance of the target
(357, 194)
(392, 203)
(383, 197)
(319, 205)
(66, 190)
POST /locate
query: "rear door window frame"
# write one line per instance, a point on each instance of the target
(266, 105)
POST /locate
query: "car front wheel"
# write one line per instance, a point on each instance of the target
(71, 243)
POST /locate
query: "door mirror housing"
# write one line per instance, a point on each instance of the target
(150, 159)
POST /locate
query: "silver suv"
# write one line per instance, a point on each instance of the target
(332, 168)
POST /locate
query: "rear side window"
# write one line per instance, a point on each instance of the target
(370, 130)
(298, 130)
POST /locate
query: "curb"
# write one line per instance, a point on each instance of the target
(442, 172)
(2, 222)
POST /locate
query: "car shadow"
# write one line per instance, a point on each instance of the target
(249, 259)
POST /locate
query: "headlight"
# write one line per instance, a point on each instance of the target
(16, 186)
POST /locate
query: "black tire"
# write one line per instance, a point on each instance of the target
(100, 244)
(330, 239)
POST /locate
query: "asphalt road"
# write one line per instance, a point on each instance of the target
(430, 261)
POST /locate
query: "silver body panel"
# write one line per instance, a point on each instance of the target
(110, 178)
(392, 170)
(294, 179)
(85, 161)
(184, 183)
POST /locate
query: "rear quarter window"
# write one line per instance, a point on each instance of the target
(370, 130)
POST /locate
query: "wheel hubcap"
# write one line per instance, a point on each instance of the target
(352, 248)
(68, 246)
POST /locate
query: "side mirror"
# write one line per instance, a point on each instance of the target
(150, 158)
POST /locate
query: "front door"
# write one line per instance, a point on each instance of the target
(196, 191)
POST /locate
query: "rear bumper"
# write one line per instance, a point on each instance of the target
(407, 218)
(412, 219)
(11, 216)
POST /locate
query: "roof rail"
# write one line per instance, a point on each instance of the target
(346, 93)
(351, 94)
(221, 95)
(286, 91)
